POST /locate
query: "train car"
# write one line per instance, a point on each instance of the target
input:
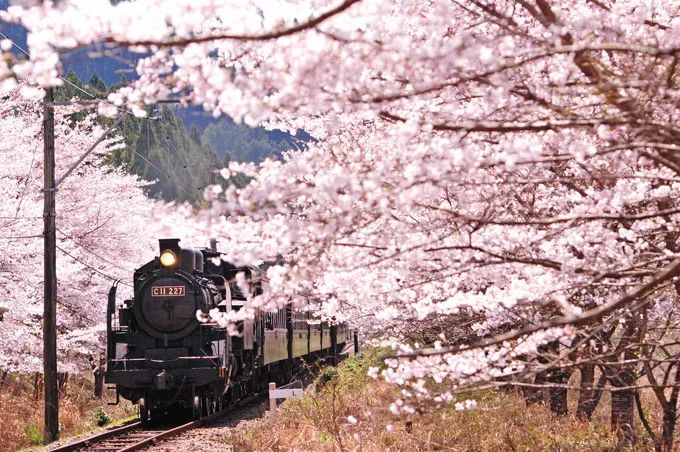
(160, 356)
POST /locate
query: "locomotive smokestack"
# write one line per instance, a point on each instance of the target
(169, 244)
(213, 245)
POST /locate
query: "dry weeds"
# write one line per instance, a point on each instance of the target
(21, 411)
(319, 422)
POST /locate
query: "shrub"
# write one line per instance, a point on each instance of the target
(327, 375)
(33, 434)
(100, 417)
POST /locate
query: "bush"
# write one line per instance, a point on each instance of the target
(100, 417)
(33, 434)
(327, 375)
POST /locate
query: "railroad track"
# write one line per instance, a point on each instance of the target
(135, 436)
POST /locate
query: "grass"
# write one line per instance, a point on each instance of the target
(319, 421)
(21, 413)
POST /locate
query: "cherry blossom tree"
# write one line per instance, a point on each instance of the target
(496, 179)
(105, 231)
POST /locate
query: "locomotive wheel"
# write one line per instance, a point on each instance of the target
(197, 407)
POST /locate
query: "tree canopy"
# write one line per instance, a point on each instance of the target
(492, 189)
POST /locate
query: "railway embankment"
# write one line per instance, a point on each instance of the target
(348, 410)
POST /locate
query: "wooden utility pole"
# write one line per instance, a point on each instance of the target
(51, 432)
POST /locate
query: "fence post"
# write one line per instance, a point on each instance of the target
(272, 400)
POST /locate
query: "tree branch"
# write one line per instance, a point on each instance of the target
(263, 37)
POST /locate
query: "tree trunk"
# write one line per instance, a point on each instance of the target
(534, 394)
(622, 400)
(5, 373)
(62, 380)
(622, 414)
(11, 384)
(558, 395)
(670, 414)
(588, 395)
(622, 375)
(98, 381)
(667, 430)
(37, 385)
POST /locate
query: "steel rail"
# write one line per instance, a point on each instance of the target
(98, 437)
(121, 442)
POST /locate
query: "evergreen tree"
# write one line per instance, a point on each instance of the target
(160, 149)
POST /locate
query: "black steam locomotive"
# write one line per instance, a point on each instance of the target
(161, 356)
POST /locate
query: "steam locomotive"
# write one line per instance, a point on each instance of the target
(160, 356)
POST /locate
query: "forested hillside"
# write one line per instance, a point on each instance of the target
(175, 159)
(238, 142)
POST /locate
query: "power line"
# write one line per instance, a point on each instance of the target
(91, 148)
(172, 145)
(21, 218)
(167, 136)
(91, 267)
(25, 183)
(160, 170)
(83, 247)
(65, 80)
(15, 44)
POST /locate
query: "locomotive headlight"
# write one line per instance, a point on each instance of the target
(168, 258)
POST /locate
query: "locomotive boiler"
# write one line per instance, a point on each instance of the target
(160, 356)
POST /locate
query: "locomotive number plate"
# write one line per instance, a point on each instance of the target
(168, 291)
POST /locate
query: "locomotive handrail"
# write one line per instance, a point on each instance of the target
(110, 311)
